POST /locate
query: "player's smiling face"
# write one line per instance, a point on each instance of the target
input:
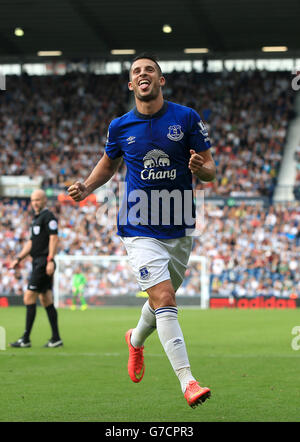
(145, 80)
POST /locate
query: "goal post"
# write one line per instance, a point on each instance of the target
(109, 280)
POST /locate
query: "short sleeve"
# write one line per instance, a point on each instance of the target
(198, 138)
(112, 147)
(51, 224)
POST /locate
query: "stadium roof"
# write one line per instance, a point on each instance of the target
(92, 28)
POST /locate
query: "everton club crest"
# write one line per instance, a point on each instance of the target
(175, 133)
(144, 273)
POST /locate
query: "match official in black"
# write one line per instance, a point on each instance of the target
(42, 246)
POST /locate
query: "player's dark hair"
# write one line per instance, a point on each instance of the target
(148, 56)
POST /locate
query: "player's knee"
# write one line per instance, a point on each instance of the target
(166, 298)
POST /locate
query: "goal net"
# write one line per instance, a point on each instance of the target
(109, 280)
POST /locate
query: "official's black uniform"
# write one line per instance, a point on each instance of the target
(43, 225)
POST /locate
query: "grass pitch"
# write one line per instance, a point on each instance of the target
(244, 356)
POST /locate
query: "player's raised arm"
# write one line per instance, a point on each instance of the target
(202, 165)
(102, 173)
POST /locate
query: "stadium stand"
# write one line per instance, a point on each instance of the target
(55, 127)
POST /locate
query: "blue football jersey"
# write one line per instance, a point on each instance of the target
(158, 185)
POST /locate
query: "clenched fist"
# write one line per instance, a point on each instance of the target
(196, 162)
(78, 191)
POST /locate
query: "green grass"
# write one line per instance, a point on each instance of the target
(244, 356)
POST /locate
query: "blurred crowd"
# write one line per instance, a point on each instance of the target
(56, 126)
(247, 115)
(297, 178)
(251, 250)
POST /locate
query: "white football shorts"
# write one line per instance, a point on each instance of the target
(156, 260)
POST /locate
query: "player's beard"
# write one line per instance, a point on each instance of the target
(149, 97)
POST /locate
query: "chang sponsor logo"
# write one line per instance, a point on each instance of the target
(157, 159)
(159, 175)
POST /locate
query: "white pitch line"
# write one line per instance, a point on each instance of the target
(26, 352)
(29, 353)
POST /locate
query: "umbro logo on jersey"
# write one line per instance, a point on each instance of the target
(131, 140)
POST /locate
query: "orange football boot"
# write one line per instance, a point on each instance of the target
(195, 394)
(136, 367)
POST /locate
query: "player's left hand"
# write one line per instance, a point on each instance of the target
(196, 161)
(50, 267)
